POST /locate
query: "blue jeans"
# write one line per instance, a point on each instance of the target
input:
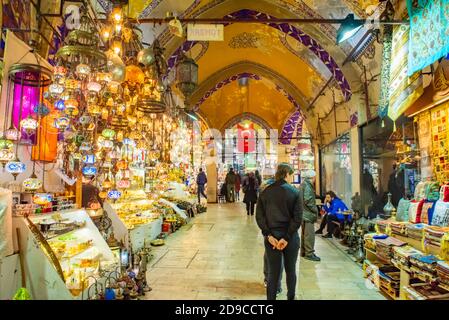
(201, 192)
(274, 258)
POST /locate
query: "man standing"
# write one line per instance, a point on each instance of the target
(201, 180)
(310, 214)
(230, 184)
(279, 216)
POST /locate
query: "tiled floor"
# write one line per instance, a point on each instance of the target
(219, 255)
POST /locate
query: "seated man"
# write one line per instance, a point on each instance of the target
(334, 208)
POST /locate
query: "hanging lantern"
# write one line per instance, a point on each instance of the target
(85, 146)
(102, 195)
(89, 159)
(104, 77)
(59, 73)
(106, 184)
(6, 155)
(114, 194)
(55, 90)
(108, 133)
(82, 71)
(186, 76)
(123, 184)
(122, 165)
(71, 107)
(59, 105)
(89, 171)
(15, 167)
(12, 134)
(29, 125)
(62, 123)
(94, 86)
(134, 75)
(94, 109)
(32, 183)
(41, 109)
(42, 198)
(145, 57)
(85, 120)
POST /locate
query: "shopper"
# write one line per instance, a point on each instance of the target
(238, 183)
(230, 184)
(201, 181)
(279, 216)
(258, 177)
(250, 187)
(310, 214)
(335, 208)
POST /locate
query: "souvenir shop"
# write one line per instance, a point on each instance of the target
(92, 168)
(407, 257)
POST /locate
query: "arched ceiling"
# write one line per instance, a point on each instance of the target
(296, 59)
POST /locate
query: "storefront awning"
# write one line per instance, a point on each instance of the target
(425, 102)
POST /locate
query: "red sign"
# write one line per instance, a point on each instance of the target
(246, 138)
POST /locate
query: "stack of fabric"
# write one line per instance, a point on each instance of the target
(401, 256)
(384, 248)
(399, 228)
(382, 225)
(434, 234)
(415, 231)
(443, 272)
(424, 265)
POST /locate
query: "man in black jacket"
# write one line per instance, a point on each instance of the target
(279, 216)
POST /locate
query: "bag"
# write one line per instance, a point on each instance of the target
(402, 212)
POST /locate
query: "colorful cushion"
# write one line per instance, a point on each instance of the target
(441, 214)
(420, 190)
(402, 212)
(427, 212)
(413, 210)
(432, 190)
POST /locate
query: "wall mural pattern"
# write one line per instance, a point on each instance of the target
(289, 127)
(292, 31)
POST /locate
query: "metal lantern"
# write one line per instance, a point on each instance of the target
(32, 183)
(15, 167)
(186, 76)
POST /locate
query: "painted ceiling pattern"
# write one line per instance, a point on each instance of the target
(244, 40)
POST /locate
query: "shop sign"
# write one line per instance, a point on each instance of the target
(205, 32)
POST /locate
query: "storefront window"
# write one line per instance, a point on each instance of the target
(336, 168)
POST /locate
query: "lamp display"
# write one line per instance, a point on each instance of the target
(62, 123)
(12, 134)
(29, 125)
(15, 168)
(89, 159)
(114, 194)
(32, 183)
(89, 171)
(42, 198)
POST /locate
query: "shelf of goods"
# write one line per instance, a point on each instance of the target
(177, 193)
(406, 261)
(64, 254)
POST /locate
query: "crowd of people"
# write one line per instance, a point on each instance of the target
(281, 210)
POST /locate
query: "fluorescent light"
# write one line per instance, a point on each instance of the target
(348, 28)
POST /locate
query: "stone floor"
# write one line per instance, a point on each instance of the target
(219, 256)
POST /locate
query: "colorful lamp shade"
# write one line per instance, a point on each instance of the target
(71, 107)
(85, 146)
(55, 89)
(32, 183)
(15, 167)
(6, 144)
(42, 198)
(85, 120)
(107, 184)
(60, 105)
(108, 133)
(62, 123)
(89, 171)
(114, 194)
(6, 155)
(12, 134)
(41, 109)
(89, 159)
(122, 165)
(82, 70)
(29, 125)
(123, 184)
(94, 86)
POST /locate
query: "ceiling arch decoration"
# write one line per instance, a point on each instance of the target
(289, 127)
(246, 116)
(292, 31)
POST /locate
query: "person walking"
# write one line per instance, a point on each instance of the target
(279, 216)
(230, 184)
(238, 183)
(250, 187)
(258, 177)
(310, 215)
(201, 181)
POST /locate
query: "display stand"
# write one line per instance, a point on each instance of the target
(43, 280)
(134, 238)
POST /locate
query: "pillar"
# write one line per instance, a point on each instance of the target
(356, 160)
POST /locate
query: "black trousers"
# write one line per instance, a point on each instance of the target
(266, 265)
(323, 222)
(250, 207)
(331, 226)
(274, 258)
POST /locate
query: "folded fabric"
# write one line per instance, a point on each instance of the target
(440, 215)
(420, 190)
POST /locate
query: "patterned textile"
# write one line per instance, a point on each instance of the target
(441, 214)
(385, 72)
(429, 30)
(404, 90)
(402, 211)
(420, 190)
(432, 191)
(427, 212)
(414, 209)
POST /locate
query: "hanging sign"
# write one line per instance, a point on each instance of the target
(205, 32)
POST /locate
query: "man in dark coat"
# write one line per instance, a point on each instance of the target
(279, 216)
(250, 187)
(201, 181)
